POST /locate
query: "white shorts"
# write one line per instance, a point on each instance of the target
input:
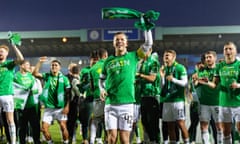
(7, 103)
(173, 111)
(227, 114)
(136, 113)
(119, 117)
(206, 112)
(53, 114)
(98, 108)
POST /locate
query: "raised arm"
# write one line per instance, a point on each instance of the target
(36, 72)
(148, 41)
(19, 56)
(144, 48)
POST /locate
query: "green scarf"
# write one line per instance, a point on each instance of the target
(36, 90)
(60, 90)
(14, 38)
(144, 19)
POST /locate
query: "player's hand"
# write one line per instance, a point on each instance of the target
(195, 76)
(137, 74)
(161, 71)
(203, 80)
(169, 77)
(43, 59)
(234, 85)
(103, 95)
(65, 110)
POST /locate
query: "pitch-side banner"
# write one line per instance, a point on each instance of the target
(133, 34)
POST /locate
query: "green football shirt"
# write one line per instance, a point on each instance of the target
(228, 73)
(177, 92)
(84, 86)
(120, 77)
(6, 77)
(208, 95)
(25, 80)
(57, 84)
(95, 72)
(144, 87)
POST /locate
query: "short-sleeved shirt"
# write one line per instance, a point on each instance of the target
(6, 77)
(208, 95)
(120, 77)
(228, 73)
(178, 71)
(95, 72)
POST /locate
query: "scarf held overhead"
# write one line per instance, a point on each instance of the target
(144, 19)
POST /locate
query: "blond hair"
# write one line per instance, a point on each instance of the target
(5, 47)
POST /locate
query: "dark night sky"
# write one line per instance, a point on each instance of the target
(33, 15)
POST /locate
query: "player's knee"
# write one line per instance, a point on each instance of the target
(44, 129)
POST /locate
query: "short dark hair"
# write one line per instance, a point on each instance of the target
(75, 70)
(211, 52)
(56, 61)
(102, 52)
(171, 51)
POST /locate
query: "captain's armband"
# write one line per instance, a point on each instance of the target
(141, 54)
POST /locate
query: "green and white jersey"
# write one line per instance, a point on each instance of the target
(208, 95)
(95, 72)
(119, 72)
(177, 93)
(27, 81)
(228, 73)
(6, 77)
(54, 90)
(144, 87)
